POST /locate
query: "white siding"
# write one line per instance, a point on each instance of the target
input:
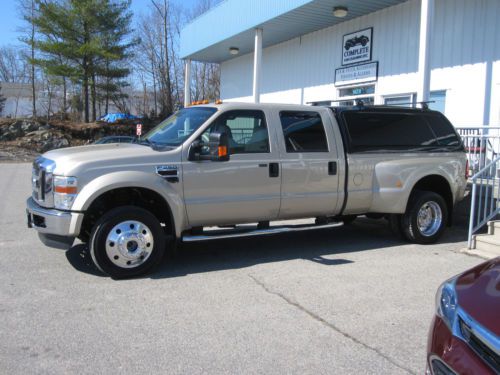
(17, 107)
(465, 60)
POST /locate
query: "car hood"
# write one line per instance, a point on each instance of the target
(71, 160)
(478, 292)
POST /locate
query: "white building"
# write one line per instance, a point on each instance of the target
(19, 102)
(18, 99)
(380, 51)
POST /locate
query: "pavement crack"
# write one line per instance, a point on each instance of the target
(329, 325)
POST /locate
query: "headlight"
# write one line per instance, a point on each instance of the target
(65, 190)
(446, 303)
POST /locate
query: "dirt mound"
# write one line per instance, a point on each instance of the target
(23, 139)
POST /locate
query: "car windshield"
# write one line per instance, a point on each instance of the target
(178, 127)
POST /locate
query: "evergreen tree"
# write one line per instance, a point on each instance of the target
(84, 40)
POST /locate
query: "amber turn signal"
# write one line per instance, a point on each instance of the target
(222, 151)
(65, 189)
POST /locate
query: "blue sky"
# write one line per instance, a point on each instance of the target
(10, 21)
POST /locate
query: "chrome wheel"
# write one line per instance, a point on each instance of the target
(429, 219)
(129, 244)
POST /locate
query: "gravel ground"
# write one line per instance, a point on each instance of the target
(350, 300)
(13, 154)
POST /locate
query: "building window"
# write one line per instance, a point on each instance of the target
(406, 100)
(324, 103)
(350, 96)
(357, 90)
(303, 132)
(367, 100)
(439, 99)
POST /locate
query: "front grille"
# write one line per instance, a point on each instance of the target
(481, 349)
(440, 368)
(41, 180)
(38, 181)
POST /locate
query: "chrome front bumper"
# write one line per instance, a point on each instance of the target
(56, 228)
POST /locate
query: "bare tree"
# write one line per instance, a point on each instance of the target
(205, 82)
(157, 62)
(49, 93)
(28, 9)
(13, 65)
(164, 17)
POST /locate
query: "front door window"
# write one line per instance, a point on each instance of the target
(246, 130)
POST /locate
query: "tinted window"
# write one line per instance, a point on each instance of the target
(398, 131)
(444, 131)
(247, 131)
(303, 131)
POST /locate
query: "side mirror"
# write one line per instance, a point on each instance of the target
(218, 148)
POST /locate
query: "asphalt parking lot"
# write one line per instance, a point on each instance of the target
(350, 300)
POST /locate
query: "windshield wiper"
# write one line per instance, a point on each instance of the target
(145, 142)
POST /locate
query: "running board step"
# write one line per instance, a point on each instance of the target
(218, 235)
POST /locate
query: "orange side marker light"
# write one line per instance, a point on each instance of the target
(222, 151)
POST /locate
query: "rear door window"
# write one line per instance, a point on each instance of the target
(303, 131)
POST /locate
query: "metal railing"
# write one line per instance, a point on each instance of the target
(482, 144)
(484, 197)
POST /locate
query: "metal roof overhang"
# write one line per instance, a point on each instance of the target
(232, 24)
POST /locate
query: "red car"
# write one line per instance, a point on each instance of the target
(465, 333)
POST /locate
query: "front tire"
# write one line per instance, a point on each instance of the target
(127, 241)
(426, 217)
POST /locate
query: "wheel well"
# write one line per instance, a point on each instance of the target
(439, 185)
(134, 196)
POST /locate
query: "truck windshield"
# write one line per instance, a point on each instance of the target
(177, 128)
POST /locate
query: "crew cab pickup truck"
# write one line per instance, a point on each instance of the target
(230, 164)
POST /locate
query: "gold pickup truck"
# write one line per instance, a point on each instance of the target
(231, 164)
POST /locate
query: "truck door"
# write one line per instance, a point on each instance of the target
(310, 165)
(244, 189)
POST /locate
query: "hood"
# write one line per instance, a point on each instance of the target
(71, 160)
(478, 292)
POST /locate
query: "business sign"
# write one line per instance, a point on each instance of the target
(356, 74)
(357, 47)
(138, 130)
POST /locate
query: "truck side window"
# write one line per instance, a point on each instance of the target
(444, 131)
(246, 129)
(303, 131)
(399, 131)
